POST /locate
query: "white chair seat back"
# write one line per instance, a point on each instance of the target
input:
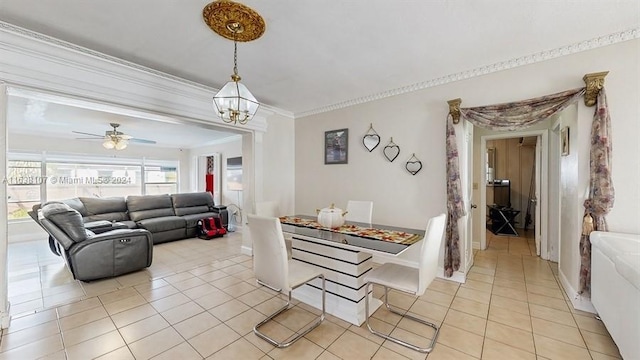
(359, 211)
(430, 251)
(270, 262)
(267, 208)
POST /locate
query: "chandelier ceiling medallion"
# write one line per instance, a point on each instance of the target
(237, 22)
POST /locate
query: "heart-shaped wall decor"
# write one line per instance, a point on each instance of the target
(413, 165)
(391, 151)
(371, 141)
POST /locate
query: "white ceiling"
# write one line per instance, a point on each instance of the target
(30, 116)
(314, 53)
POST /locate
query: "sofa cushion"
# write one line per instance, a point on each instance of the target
(66, 219)
(110, 209)
(192, 219)
(192, 203)
(149, 206)
(160, 224)
(76, 204)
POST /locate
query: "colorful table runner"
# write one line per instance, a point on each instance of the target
(398, 237)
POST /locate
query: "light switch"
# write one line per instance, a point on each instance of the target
(475, 186)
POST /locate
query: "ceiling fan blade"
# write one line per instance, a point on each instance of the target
(89, 138)
(84, 133)
(142, 141)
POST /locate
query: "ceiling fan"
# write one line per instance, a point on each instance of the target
(114, 139)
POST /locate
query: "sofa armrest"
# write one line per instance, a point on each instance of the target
(99, 226)
(111, 253)
(117, 234)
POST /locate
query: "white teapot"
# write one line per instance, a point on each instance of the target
(331, 217)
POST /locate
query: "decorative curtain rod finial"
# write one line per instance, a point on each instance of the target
(454, 109)
(594, 82)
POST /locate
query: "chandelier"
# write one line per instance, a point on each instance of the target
(237, 22)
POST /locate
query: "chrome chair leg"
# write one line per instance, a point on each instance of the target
(296, 336)
(403, 314)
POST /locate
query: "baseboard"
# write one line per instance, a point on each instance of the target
(578, 301)
(475, 245)
(457, 276)
(246, 250)
(17, 238)
(5, 317)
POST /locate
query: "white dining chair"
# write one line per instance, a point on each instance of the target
(267, 208)
(271, 209)
(359, 211)
(410, 280)
(273, 270)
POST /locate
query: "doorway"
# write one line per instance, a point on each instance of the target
(521, 194)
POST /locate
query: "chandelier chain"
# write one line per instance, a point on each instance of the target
(235, 54)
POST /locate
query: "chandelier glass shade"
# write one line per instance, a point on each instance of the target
(234, 102)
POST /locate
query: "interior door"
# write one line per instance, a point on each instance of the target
(540, 250)
(466, 178)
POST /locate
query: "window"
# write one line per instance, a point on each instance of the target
(160, 179)
(32, 179)
(68, 180)
(24, 181)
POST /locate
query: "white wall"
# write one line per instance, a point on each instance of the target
(417, 126)
(226, 149)
(416, 122)
(278, 162)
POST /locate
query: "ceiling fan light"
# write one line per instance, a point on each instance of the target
(108, 144)
(121, 144)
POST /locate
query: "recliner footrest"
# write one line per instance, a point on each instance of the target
(210, 228)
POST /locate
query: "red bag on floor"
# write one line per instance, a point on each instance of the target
(210, 228)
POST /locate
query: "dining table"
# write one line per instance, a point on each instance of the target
(345, 256)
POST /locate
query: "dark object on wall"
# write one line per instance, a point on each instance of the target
(336, 146)
(564, 141)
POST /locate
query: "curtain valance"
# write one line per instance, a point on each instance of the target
(521, 114)
(517, 116)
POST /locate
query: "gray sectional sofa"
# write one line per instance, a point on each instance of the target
(166, 217)
(77, 224)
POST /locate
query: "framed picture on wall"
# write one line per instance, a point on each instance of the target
(564, 141)
(336, 146)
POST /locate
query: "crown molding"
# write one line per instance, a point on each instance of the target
(614, 38)
(266, 110)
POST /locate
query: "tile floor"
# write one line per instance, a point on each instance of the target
(199, 300)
